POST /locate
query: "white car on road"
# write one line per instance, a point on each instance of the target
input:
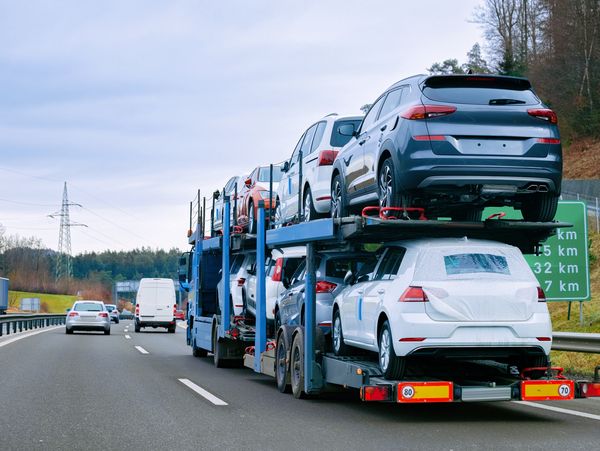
(445, 298)
(320, 145)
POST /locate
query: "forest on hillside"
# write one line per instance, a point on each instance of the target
(554, 43)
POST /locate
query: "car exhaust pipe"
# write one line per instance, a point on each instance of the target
(542, 189)
(533, 188)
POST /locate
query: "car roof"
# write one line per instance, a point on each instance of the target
(294, 251)
(449, 242)
(89, 300)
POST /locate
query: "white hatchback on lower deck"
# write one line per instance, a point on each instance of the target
(446, 298)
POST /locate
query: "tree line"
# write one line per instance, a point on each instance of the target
(30, 266)
(554, 43)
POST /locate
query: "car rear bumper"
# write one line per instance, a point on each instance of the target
(87, 326)
(153, 323)
(321, 189)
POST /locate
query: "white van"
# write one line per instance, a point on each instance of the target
(155, 304)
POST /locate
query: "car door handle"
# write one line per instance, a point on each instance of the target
(361, 291)
(381, 291)
(383, 128)
(302, 290)
(361, 142)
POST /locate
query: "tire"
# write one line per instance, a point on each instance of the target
(539, 207)
(297, 365)
(171, 329)
(309, 211)
(137, 327)
(107, 332)
(469, 214)
(198, 352)
(251, 219)
(391, 366)
(387, 187)
(277, 320)
(69, 331)
(117, 321)
(217, 350)
(337, 336)
(278, 216)
(339, 204)
(282, 364)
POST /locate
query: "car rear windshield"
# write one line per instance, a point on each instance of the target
(338, 140)
(480, 90)
(87, 307)
(264, 174)
(437, 264)
(338, 267)
(475, 263)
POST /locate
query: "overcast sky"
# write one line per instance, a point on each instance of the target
(137, 104)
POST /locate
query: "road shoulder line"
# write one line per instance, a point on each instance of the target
(22, 335)
(576, 413)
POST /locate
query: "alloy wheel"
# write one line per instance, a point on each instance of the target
(336, 200)
(385, 187)
(307, 208)
(384, 349)
(337, 339)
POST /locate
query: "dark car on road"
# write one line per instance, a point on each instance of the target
(453, 144)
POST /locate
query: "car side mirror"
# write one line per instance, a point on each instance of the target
(286, 166)
(349, 278)
(216, 194)
(347, 130)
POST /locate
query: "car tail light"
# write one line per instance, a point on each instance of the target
(278, 273)
(325, 287)
(241, 281)
(103, 315)
(544, 338)
(413, 294)
(327, 157)
(72, 314)
(541, 295)
(427, 111)
(548, 140)
(545, 114)
(412, 339)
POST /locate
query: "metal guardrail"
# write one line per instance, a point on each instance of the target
(13, 323)
(576, 342)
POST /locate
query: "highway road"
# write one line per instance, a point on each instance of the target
(144, 391)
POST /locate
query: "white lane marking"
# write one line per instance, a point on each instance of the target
(576, 413)
(128, 337)
(142, 350)
(25, 335)
(206, 395)
(183, 326)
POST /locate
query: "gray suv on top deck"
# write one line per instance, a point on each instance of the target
(453, 144)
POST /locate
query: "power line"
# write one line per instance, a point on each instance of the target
(117, 225)
(27, 203)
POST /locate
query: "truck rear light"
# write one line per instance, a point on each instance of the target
(541, 295)
(241, 281)
(429, 138)
(72, 314)
(545, 114)
(103, 315)
(277, 274)
(590, 389)
(174, 309)
(325, 287)
(376, 393)
(413, 294)
(427, 111)
(327, 157)
(548, 140)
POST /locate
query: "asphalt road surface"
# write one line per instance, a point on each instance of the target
(88, 391)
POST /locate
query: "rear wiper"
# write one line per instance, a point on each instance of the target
(505, 101)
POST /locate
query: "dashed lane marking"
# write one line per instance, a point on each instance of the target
(128, 337)
(142, 350)
(576, 413)
(26, 334)
(183, 326)
(206, 395)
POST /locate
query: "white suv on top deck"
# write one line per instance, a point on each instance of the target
(320, 145)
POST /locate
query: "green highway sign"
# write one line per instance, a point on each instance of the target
(562, 268)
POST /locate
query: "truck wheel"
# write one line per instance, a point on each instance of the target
(282, 372)
(539, 207)
(297, 365)
(339, 208)
(198, 352)
(391, 366)
(337, 335)
(171, 329)
(217, 350)
(137, 326)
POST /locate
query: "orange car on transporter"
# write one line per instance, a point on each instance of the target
(257, 184)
